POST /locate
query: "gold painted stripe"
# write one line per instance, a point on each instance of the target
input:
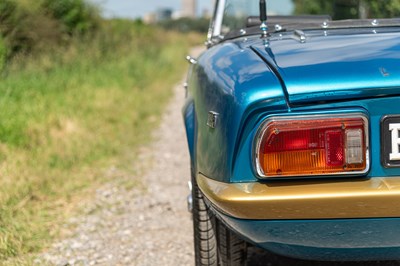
(323, 199)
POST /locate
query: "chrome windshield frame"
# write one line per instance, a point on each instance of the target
(214, 31)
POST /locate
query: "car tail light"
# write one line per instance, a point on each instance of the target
(312, 146)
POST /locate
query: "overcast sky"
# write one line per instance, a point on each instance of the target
(138, 8)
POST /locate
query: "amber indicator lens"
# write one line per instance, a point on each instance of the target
(320, 146)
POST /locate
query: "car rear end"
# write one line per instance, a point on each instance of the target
(320, 179)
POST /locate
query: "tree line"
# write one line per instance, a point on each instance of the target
(349, 9)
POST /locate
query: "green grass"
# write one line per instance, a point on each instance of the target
(68, 116)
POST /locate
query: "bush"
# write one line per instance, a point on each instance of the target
(186, 24)
(8, 18)
(42, 26)
(3, 53)
(76, 16)
(24, 31)
(9, 21)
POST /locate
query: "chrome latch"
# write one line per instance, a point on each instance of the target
(191, 60)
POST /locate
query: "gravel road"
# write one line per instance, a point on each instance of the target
(149, 224)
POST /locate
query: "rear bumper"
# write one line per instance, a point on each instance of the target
(327, 240)
(316, 220)
(377, 197)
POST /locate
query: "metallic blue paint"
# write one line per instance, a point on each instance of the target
(189, 120)
(333, 67)
(342, 70)
(341, 239)
(233, 82)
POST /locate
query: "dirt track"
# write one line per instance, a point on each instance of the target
(149, 225)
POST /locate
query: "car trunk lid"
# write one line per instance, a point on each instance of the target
(336, 65)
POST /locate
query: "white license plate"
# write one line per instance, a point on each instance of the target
(390, 141)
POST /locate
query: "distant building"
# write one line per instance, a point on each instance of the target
(188, 8)
(206, 13)
(177, 14)
(149, 18)
(163, 14)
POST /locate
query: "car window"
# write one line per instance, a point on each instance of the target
(230, 15)
(236, 13)
(233, 15)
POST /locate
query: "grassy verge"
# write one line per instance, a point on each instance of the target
(67, 116)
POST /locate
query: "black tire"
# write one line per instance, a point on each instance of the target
(232, 251)
(205, 242)
(214, 243)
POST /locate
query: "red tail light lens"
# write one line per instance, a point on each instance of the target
(315, 145)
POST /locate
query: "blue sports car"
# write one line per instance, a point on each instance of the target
(293, 128)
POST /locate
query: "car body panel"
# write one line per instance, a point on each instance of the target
(190, 123)
(283, 200)
(246, 80)
(377, 109)
(232, 91)
(359, 64)
(327, 240)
